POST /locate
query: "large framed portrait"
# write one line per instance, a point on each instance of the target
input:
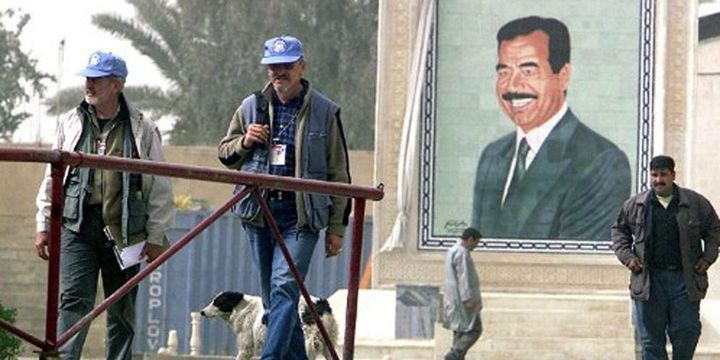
(536, 122)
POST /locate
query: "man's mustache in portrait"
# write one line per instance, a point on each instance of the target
(509, 96)
(658, 183)
(280, 77)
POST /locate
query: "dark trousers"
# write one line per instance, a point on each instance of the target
(668, 312)
(83, 257)
(462, 341)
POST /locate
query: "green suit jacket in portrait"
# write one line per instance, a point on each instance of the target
(571, 190)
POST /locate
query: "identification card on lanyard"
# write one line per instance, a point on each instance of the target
(277, 156)
(100, 146)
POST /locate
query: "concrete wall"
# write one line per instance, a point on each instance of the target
(704, 139)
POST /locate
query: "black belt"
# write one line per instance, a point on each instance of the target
(668, 267)
(94, 208)
(281, 195)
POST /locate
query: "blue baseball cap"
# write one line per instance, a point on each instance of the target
(282, 50)
(104, 64)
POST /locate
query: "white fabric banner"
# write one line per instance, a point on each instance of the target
(408, 162)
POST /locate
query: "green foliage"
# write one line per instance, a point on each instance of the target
(17, 73)
(211, 50)
(10, 345)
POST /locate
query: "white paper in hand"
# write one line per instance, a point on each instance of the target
(129, 255)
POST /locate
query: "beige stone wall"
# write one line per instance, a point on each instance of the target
(394, 51)
(677, 37)
(705, 138)
(674, 65)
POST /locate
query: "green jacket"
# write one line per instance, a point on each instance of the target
(156, 190)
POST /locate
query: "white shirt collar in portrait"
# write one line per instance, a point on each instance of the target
(535, 138)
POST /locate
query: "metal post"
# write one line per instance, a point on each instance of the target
(21, 334)
(354, 278)
(57, 173)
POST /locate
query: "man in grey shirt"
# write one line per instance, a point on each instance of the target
(462, 295)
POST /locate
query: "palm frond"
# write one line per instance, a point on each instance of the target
(145, 41)
(152, 100)
(64, 100)
(164, 20)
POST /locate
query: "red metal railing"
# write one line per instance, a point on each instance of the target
(60, 160)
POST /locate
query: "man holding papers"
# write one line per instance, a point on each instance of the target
(105, 212)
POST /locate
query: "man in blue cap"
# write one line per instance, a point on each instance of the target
(104, 210)
(288, 129)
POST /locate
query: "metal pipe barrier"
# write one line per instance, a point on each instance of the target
(60, 160)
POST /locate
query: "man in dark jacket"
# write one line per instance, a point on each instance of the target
(668, 238)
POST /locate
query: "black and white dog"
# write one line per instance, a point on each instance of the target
(244, 315)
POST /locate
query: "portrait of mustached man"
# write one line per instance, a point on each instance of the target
(552, 177)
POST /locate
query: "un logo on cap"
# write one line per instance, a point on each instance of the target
(279, 46)
(94, 59)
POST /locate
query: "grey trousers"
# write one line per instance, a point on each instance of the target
(462, 341)
(83, 257)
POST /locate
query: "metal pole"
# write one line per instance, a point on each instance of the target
(288, 183)
(270, 222)
(354, 278)
(57, 174)
(21, 334)
(152, 266)
(58, 78)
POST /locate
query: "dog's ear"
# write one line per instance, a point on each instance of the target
(237, 297)
(226, 301)
(323, 307)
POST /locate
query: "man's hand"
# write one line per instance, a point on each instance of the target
(702, 266)
(152, 251)
(41, 244)
(634, 265)
(333, 245)
(470, 304)
(256, 133)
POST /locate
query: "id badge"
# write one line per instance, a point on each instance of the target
(100, 144)
(277, 156)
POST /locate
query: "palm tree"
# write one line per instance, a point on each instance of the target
(209, 50)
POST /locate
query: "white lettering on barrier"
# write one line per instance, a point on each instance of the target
(153, 331)
(155, 291)
(155, 302)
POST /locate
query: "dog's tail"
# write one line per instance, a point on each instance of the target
(321, 305)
